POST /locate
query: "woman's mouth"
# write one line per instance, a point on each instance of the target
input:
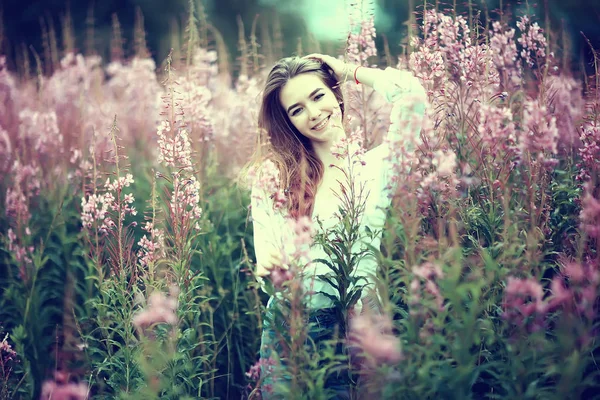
(322, 124)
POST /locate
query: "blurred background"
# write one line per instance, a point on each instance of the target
(25, 22)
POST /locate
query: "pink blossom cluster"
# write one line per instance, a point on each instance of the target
(134, 88)
(22, 253)
(523, 303)
(185, 199)
(6, 150)
(203, 68)
(152, 246)
(267, 182)
(504, 54)
(197, 108)
(428, 65)
(451, 36)
(538, 136)
(133, 81)
(303, 232)
(581, 294)
(373, 336)
(589, 151)
(7, 354)
(98, 207)
(497, 131)
(235, 121)
(95, 208)
(174, 146)
(61, 389)
(443, 31)
(75, 78)
(25, 185)
(477, 69)
(40, 131)
(260, 368)
(532, 41)
(279, 275)
(350, 146)
(565, 101)
(443, 177)
(361, 44)
(425, 277)
(296, 251)
(574, 291)
(159, 309)
(590, 212)
(8, 94)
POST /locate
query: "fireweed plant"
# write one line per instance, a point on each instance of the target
(489, 274)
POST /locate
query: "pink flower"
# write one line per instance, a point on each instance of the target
(67, 391)
(350, 147)
(429, 273)
(26, 184)
(504, 54)
(159, 309)
(267, 182)
(361, 43)
(61, 389)
(280, 275)
(532, 40)
(539, 134)
(151, 248)
(304, 232)
(96, 208)
(496, 130)
(372, 334)
(565, 101)
(185, 200)
(6, 352)
(580, 298)
(523, 304)
(6, 150)
(589, 151)
(40, 130)
(590, 213)
(260, 368)
(174, 145)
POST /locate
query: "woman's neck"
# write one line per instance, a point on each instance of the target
(323, 152)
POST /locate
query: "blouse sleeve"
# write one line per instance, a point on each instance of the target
(265, 230)
(409, 100)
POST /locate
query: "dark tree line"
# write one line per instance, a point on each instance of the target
(25, 22)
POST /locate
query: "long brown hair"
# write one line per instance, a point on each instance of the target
(300, 169)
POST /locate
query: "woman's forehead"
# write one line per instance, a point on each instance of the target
(299, 88)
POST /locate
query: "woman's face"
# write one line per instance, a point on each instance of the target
(312, 108)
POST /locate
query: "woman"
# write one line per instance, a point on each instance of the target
(302, 114)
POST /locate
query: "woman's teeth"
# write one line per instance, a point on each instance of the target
(322, 124)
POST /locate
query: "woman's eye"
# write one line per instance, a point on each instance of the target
(296, 112)
(318, 97)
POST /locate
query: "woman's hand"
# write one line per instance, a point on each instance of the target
(343, 71)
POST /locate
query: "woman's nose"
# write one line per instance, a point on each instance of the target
(313, 112)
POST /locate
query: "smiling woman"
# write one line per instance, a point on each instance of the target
(301, 119)
(314, 111)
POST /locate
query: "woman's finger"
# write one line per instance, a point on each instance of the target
(315, 55)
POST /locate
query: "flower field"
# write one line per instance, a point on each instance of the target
(127, 267)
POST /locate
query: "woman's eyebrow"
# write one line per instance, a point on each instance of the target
(309, 96)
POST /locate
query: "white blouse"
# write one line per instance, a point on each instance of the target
(272, 231)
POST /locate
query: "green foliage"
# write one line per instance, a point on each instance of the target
(32, 309)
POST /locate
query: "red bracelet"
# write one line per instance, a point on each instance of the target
(356, 80)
